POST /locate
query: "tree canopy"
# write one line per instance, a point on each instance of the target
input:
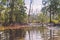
(52, 8)
(14, 11)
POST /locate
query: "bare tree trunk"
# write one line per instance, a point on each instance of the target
(29, 35)
(11, 12)
(51, 35)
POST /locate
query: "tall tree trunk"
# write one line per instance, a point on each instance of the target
(11, 12)
(50, 13)
(29, 11)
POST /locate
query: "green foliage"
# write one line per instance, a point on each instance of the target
(52, 7)
(20, 1)
(42, 18)
(14, 13)
(20, 14)
(4, 1)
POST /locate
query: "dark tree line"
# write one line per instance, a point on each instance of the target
(14, 11)
(51, 7)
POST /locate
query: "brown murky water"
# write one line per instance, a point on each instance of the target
(43, 34)
(36, 34)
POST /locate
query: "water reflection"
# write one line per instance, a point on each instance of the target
(34, 35)
(47, 34)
